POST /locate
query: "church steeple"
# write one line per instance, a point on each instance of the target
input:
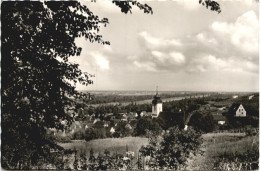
(156, 104)
(156, 98)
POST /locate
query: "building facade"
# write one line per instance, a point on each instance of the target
(237, 110)
(241, 112)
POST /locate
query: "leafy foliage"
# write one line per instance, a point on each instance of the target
(236, 161)
(202, 122)
(172, 152)
(145, 125)
(37, 40)
(38, 81)
(213, 5)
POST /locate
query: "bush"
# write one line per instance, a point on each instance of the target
(93, 133)
(63, 139)
(79, 135)
(251, 131)
(90, 134)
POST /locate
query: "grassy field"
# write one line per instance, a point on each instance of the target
(114, 145)
(214, 146)
(217, 145)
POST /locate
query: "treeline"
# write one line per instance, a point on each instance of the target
(112, 98)
(188, 104)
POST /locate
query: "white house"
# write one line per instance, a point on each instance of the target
(105, 125)
(240, 112)
(237, 110)
(96, 120)
(112, 130)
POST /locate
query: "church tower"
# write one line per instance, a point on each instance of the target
(156, 105)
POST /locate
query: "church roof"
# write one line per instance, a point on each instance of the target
(157, 99)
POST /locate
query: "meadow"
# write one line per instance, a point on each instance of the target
(219, 150)
(226, 151)
(114, 145)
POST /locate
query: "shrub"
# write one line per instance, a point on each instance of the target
(90, 134)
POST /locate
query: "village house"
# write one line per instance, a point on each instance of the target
(219, 119)
(128, 126)
(141, 114)
(105, 124)
(112, 130)
(237, 110)
(131, 116)
(124, 117)
(96, 120)
(149, 114)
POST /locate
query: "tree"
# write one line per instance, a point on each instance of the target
(37, 90)
(146, 125)
(37, 40)
(173, 151)
(123, 129)
(202, 122)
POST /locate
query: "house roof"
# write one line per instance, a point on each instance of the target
(219, 117)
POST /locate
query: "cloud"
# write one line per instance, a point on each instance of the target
(100, 60)
(91, 59)
(212, 63)
(177, 57)
(148, 66)
(223, 46)
(153, 41)
(205, 39)
(243, 33)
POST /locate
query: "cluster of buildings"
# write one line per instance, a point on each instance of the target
(236, 110)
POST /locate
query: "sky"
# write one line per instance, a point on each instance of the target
(182, 46)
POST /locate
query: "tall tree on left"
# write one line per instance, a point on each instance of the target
(37, 40)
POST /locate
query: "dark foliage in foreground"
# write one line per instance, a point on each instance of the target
(246, 161)
(37, 40)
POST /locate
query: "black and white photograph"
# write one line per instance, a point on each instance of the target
(130, 85)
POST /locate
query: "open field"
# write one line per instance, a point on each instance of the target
(113, 145)
(217, 145)
(214, 146)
